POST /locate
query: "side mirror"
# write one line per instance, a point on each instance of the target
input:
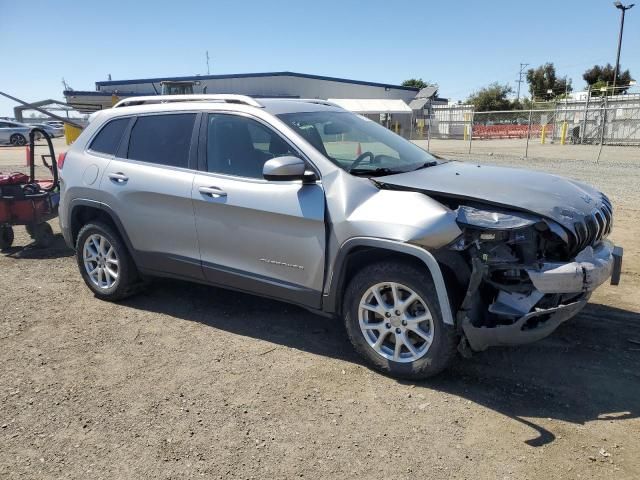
(287, 168)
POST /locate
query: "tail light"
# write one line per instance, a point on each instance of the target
(61, 158)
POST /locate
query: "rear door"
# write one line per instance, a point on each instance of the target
(148, 185)
(261, 236)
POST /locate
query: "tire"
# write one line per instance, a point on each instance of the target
(434, 348)
(6, 236)
(42, 233)
(126, 276)
(17, 139)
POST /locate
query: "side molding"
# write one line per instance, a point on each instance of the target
(330, 300)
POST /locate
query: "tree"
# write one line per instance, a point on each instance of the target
(492, 97)
(415, 83)
(544, 83)
(598, 77)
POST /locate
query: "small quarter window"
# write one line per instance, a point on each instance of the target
(162, 139)
(108, 138)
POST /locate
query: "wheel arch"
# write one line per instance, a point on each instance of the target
(83, 211)
(359, 251)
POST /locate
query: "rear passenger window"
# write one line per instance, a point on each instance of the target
(108, 138)
(162, 139)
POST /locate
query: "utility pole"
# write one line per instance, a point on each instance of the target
(623, 9)
(207, 55)
(519, 81)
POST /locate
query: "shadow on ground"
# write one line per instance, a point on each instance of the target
(586, 371)
(58, 249)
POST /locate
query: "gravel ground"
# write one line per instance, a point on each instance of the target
(186, 381)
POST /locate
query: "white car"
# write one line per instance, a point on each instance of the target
(15, 133)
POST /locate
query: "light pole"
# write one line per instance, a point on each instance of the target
(623, 9)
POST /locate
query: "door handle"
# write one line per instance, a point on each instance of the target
(213, 192)
(118, 177)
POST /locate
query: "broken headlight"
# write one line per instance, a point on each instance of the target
(499, 236)
(494, 219)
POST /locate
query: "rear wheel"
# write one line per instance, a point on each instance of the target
(393, 319)
(104, 262)
(17, 139)
(6, 236)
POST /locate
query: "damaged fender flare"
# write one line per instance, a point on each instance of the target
(332, 298)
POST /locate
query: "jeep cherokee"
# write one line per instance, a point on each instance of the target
(302, 201)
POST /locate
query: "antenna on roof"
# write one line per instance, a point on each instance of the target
(207, 55)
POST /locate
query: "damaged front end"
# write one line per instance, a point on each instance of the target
(527, 275)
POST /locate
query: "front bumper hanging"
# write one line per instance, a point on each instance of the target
(591, 268)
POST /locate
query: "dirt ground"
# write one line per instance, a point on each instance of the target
(187, 381)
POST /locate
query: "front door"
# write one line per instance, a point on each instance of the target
(256, 235)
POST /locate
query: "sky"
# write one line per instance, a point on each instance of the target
(461, 45)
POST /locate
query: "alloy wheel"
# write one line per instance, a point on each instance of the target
(17, 140)
(396, 322)
(100, 261)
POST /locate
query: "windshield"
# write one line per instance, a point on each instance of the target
(357, 144)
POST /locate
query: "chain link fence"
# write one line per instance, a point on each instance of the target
(593, 130)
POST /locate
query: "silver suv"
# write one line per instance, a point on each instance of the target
(302, 201)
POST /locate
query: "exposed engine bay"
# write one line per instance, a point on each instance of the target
(527, 274)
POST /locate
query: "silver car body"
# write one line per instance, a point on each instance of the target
(292, 241)
(52, 131)
(9, 128)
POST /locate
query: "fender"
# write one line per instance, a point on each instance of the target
(76, 202)
(331, 299)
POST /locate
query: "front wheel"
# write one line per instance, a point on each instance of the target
(104, 262)
(393, 320)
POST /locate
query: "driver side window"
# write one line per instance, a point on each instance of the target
(240, 146)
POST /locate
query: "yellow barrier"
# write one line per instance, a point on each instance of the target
(467, 121)
(543, 134)
(563, 133)
(71, 133)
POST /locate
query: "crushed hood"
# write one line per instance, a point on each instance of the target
(551, 196)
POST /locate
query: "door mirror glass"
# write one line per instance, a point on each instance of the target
(284, 168)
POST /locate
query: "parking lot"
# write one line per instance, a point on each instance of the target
(186, 381)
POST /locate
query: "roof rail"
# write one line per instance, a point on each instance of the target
(151, 99)
(316, 101)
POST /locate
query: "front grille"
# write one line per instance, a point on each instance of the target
(594, 227)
